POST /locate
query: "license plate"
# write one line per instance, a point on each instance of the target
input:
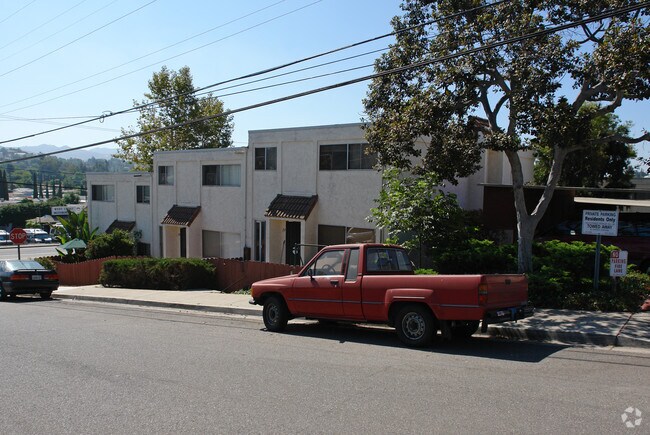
(37, 277)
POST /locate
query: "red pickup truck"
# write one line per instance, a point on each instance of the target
(375, 283)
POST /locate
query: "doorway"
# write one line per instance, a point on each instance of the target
(183, 241)
(292, 238)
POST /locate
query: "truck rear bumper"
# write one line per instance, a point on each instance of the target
(508, 314)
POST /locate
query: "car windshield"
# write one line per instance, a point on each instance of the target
(24, 264)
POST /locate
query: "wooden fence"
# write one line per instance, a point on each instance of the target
(232, 275)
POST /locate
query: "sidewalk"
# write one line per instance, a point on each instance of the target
(573, 327)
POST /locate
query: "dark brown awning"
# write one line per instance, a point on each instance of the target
(182, 216)
(120, 225)
(291, 207)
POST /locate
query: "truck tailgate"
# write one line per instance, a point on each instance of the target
(505, 290)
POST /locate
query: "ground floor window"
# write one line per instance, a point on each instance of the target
(221, 244)
(143, 249)
(335, 235)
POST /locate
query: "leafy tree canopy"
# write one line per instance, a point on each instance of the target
(606, 164)
(176, 104)
(530, 89)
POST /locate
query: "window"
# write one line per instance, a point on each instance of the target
(266, 159)
(387, 260)
(103, 192)
(165, 175)
(335, 235)
(346, 156)
(142, 194)
(221, 245)
(143, 249)
(221, 175)
(353, 265)
(328, 263)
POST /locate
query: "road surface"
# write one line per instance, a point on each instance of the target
(79, 367)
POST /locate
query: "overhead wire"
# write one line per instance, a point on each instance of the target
(461, 53)
(17, 12)
(77, 39)
(42, 25)
(59, 31)
(131, 61)
(257, 73)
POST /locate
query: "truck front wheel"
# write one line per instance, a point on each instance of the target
(415, 325)
(275, 314)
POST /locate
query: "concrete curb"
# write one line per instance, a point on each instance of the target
(209, 308)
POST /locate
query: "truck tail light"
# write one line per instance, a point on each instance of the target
(482, 294)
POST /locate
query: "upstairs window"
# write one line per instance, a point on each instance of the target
(165, 175)
(346, 156)
(222, 175)
(142, 194)
(103, 192)
(266, 159)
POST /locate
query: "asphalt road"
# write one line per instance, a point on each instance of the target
(78, 367)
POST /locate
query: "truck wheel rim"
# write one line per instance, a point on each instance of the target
(273, 313)
(413, 326)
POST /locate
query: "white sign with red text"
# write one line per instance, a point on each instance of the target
(618, 263)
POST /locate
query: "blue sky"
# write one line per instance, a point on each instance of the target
(77, 58)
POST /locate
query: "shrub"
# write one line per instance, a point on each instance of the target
(478, 256)
(46, 262)
(158, 273)
(118, 243)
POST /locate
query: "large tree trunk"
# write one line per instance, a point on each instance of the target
(527, 222)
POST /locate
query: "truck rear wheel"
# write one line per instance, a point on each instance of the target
(275, 314)
(415, 325)
(464, 328)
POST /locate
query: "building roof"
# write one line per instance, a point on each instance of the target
(613, 201)
(182, 216)
(120, 225)
(291, 207)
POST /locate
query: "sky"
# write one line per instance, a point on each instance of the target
(62, 62)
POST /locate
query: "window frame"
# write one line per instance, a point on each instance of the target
(102, 192)
(268, 159)
(142, 198)
(218, 176)
(166, 175)
(330, 155)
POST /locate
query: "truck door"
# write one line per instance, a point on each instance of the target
(317, 292)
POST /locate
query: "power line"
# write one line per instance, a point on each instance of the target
(58, 31)
(19, 10)
(77, 39)
(250, 75)
(466, 52)
(155, 63)
(42, 25)
(134, 60)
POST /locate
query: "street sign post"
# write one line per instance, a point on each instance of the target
(599, 223)
(18, 236)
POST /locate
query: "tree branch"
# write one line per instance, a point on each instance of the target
(620, 138)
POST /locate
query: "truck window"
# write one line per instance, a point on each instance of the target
(387, 260)
(353, 265)
(328, 263)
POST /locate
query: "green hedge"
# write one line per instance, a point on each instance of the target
(562, 277)
(158, 273)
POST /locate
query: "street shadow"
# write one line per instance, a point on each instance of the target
(25, 299)
(478, 347)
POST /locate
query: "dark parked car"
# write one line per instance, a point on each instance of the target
(19, 277)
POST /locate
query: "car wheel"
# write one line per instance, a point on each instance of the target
(415, 325)
(275, 314)
(464, 328)
(45, 295)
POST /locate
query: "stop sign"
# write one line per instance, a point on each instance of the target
(18, 236)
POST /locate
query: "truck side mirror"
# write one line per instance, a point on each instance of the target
(310, 273)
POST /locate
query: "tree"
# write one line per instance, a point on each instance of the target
(76, 226)
(418, 214)
(604, 164)
(530, 90)
(177, 104)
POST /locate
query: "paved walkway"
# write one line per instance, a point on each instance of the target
(574, 327)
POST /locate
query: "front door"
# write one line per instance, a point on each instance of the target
(317, 292)
(292, 239)
(183, 242)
